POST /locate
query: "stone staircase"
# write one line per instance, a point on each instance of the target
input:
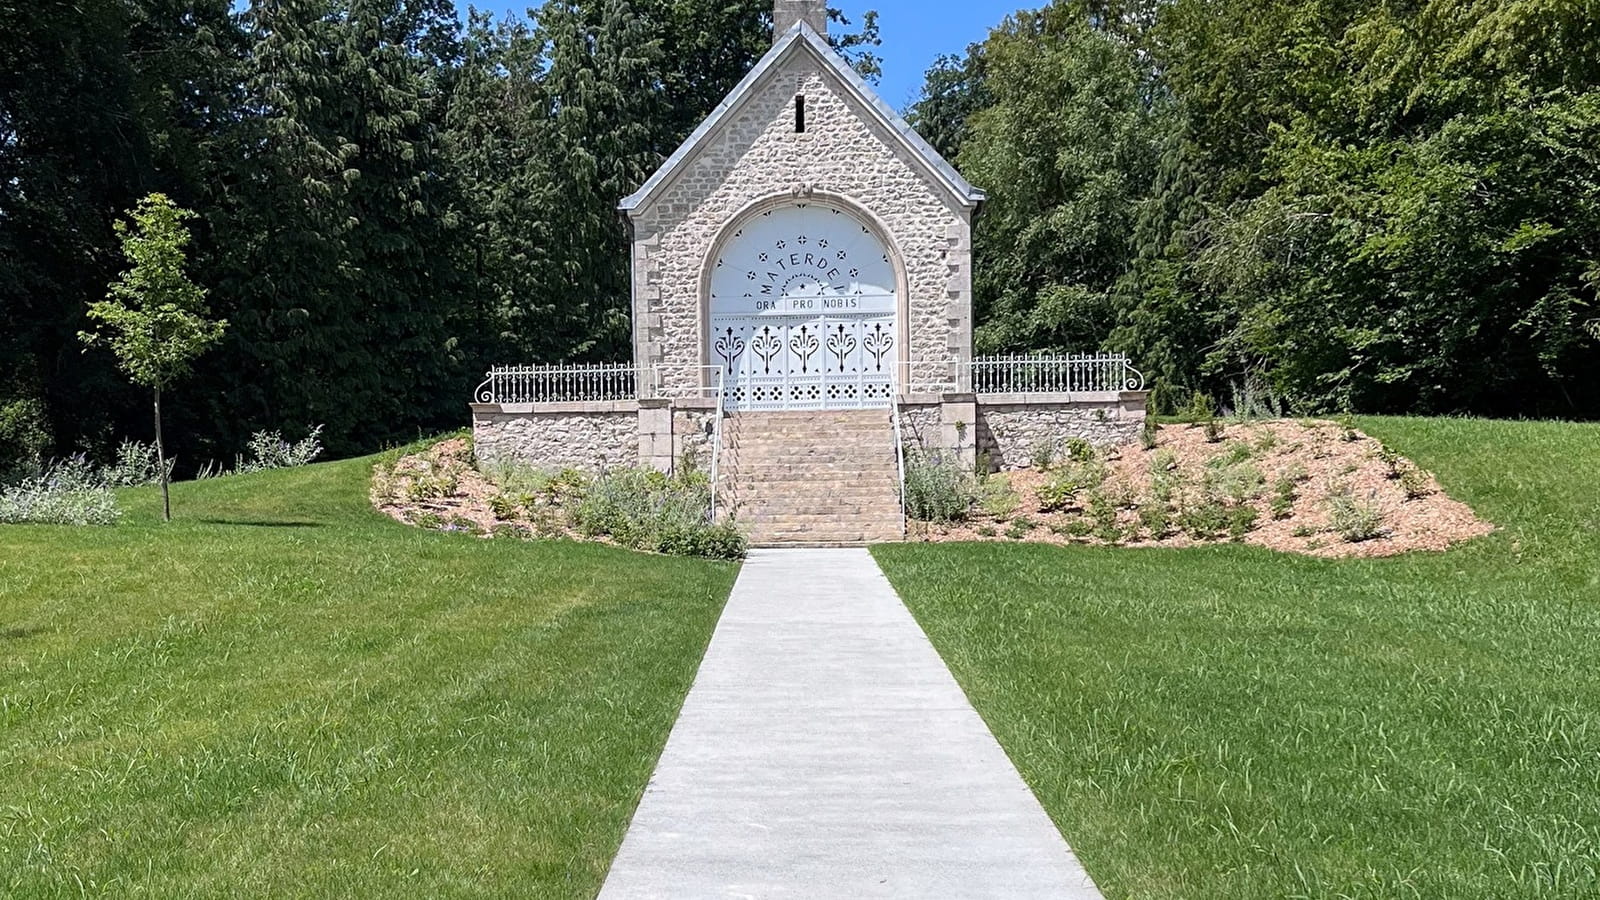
(817, 478)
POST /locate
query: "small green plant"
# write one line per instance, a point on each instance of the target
(1303, 531)
(1166, 479)
(1353, 519)
(427, 520)
(1297, 474)
(1155, 520)
(1416, 483)
(1148, 433)
(1079, 450)
(1199, 410)
(1042, 455)
(1061, 491)
(1237, 484)
(1284, 493)
(1394, 463)
(1241, 521)
(1204, 518)
(1267, 440)
(997, 498)
(1103, 513)
(1019, 528)
(1076, 527)
(504, 507)
(987, 531)
(1214, 431)
(1347, 430)
(1236, 452)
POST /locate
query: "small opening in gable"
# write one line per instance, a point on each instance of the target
(799, 113)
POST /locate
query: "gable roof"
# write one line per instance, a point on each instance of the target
(798, 39)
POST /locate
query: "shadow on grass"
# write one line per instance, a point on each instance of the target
(263, 523)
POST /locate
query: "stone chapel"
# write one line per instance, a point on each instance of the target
(802, 311)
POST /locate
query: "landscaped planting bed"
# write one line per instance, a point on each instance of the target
(1316, 487)
(1234, 723)
(441, 487)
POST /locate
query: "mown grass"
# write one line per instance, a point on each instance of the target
(284, 694)
(1229, 722)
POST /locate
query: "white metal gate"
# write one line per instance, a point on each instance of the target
(804, 313)
(798, 362)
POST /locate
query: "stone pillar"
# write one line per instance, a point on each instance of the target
(958, 304)
(787, 12)
(958, 426)
(655, 435)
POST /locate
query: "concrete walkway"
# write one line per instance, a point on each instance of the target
(826, 751)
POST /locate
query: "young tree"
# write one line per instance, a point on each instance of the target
(155, 315)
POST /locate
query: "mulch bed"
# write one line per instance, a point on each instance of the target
(1323, 459)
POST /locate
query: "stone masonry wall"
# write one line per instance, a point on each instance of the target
(1009, 432)
(1009, 427)
(592, 441)
(757, 156)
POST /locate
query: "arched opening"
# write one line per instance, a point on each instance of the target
(804, 311)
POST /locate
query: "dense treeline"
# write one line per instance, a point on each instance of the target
(387, 197)
(1359, 204)
(1348, 204)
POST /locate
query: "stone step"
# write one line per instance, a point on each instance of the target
(864, 511)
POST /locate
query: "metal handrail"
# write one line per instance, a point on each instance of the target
(716, 442)
(899, 447)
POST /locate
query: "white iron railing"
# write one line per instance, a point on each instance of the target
(1068, 374)
(559, 383)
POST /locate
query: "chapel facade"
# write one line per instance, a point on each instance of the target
(804, 246)
(802, 314)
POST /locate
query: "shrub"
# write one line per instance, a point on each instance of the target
(70, 492)
(987, 531)
(135, 465)
(1353, 519)
(1267, 440)
(1214, 431)
(504, 507)
(937, 490)
(268, 450)
(24, 438)
(1204, 518)
(643, 509)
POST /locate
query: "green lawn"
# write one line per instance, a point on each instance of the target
(285, 694)
(1233, 723)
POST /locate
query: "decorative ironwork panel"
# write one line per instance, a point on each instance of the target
(795, 362)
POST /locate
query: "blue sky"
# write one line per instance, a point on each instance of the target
(914, 32)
